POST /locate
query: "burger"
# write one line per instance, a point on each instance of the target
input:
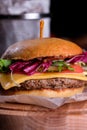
(48, 67)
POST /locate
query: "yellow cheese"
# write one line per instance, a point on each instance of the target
(7, 82)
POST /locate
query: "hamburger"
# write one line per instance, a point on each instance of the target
(48, 67)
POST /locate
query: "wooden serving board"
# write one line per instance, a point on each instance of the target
(72, 116)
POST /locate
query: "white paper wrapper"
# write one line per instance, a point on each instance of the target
(52, 103)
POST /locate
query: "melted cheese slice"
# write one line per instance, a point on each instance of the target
(7, 82)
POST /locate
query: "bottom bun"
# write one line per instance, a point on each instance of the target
(66, 92)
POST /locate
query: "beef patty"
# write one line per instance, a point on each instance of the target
(53, 83)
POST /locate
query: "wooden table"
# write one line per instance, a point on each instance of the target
(29, 117)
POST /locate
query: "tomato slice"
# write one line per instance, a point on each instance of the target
(77, 69)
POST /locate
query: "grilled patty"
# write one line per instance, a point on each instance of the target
(53, 83)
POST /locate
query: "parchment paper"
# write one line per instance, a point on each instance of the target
(52, 103)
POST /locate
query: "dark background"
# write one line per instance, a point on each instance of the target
(69, 20)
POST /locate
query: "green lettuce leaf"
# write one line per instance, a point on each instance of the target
(4, 64)
(62, 65)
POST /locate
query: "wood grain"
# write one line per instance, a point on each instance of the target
(29, 117)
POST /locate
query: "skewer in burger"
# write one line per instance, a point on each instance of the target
(49, 67)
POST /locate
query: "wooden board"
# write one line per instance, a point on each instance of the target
(29, 117)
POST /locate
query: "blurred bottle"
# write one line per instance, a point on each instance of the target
(26, 26)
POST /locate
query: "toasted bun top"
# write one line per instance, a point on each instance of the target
(43, 47)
